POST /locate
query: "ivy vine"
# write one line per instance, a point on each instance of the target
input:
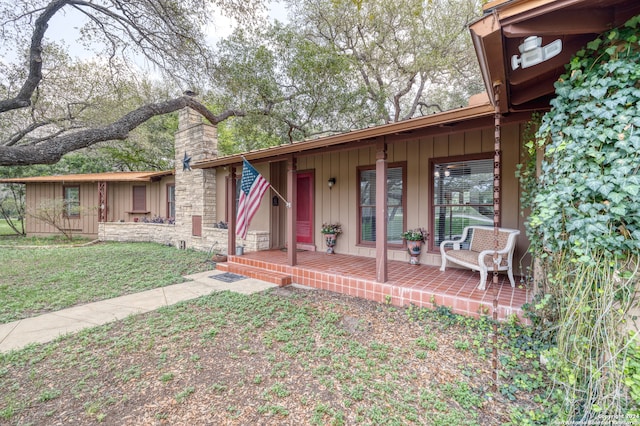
(589, 192)
(584, 224)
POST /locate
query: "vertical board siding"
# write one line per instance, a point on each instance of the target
(119, 204)
(88, 222)
(473, 142)
(340, 204)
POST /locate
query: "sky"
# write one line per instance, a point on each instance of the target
(64, 27)
(222, 26)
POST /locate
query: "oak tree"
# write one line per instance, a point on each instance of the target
(42, 119)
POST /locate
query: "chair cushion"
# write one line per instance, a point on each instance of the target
(483, 239)
(470, 256)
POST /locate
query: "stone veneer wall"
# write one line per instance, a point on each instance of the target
(212, 238)
(195, 196)
(195, 188)
(216, 238)
(137, 232)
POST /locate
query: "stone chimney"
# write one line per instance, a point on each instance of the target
(195, 193)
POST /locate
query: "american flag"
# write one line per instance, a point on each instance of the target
(252, 187)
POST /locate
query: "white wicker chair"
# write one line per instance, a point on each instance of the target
(479, 255)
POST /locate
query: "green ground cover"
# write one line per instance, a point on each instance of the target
(49, 278)
(285, 356)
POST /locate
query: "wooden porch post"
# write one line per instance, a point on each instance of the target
(381, 212)
(231, 211)
(292, 188)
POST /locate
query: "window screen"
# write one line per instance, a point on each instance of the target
(72, 201)
(462, 196)
(395, 205)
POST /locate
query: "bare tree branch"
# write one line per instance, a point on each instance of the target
(52, 149)
(168, 33)
(23, 98)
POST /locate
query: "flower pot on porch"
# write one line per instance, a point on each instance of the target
(415, 249)
(330, 240)
(219, 258)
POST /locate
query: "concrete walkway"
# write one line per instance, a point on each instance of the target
(47, 327)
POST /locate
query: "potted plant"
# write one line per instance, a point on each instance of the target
(217, 256)
(331, 232)
(415, 238)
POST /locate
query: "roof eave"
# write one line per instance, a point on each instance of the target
(93, 177)
(371, 133)
(487, 39)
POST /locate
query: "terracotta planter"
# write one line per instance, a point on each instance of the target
(219, 258)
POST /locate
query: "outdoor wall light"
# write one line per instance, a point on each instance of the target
(532, 53)
(331, 182)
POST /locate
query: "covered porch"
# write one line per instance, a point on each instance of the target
(420, 285)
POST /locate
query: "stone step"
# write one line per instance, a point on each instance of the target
(276, 278)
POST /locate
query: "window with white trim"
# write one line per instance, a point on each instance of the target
(171, 201)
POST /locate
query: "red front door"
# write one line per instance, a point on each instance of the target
(304, 216)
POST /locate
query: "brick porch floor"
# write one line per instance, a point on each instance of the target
(420, 285)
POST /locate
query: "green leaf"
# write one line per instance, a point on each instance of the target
(595, 44)
(606, 188)
(618, 210)
(598, 92)
(633, 22)
(616, 197)
(632, 189)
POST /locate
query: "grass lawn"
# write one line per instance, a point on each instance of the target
(38, 280)
(285, 356)
(5, 229)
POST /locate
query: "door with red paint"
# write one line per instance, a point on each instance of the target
(304, 214)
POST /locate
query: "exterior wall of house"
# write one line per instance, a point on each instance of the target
(201, 194)
(222, 175)
(200, 200)
(262, 219)
(339, 204)
(196, 189)
(39, 195)
(119, 201)
(212, 239)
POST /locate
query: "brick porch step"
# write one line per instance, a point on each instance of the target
(276, 278)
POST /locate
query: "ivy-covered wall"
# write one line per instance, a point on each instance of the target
(585, 229)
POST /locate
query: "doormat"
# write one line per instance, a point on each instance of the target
(228, 277)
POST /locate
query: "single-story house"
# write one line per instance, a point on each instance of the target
(87, 199)
(439, 172)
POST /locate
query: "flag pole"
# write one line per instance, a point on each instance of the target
(286, 203)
